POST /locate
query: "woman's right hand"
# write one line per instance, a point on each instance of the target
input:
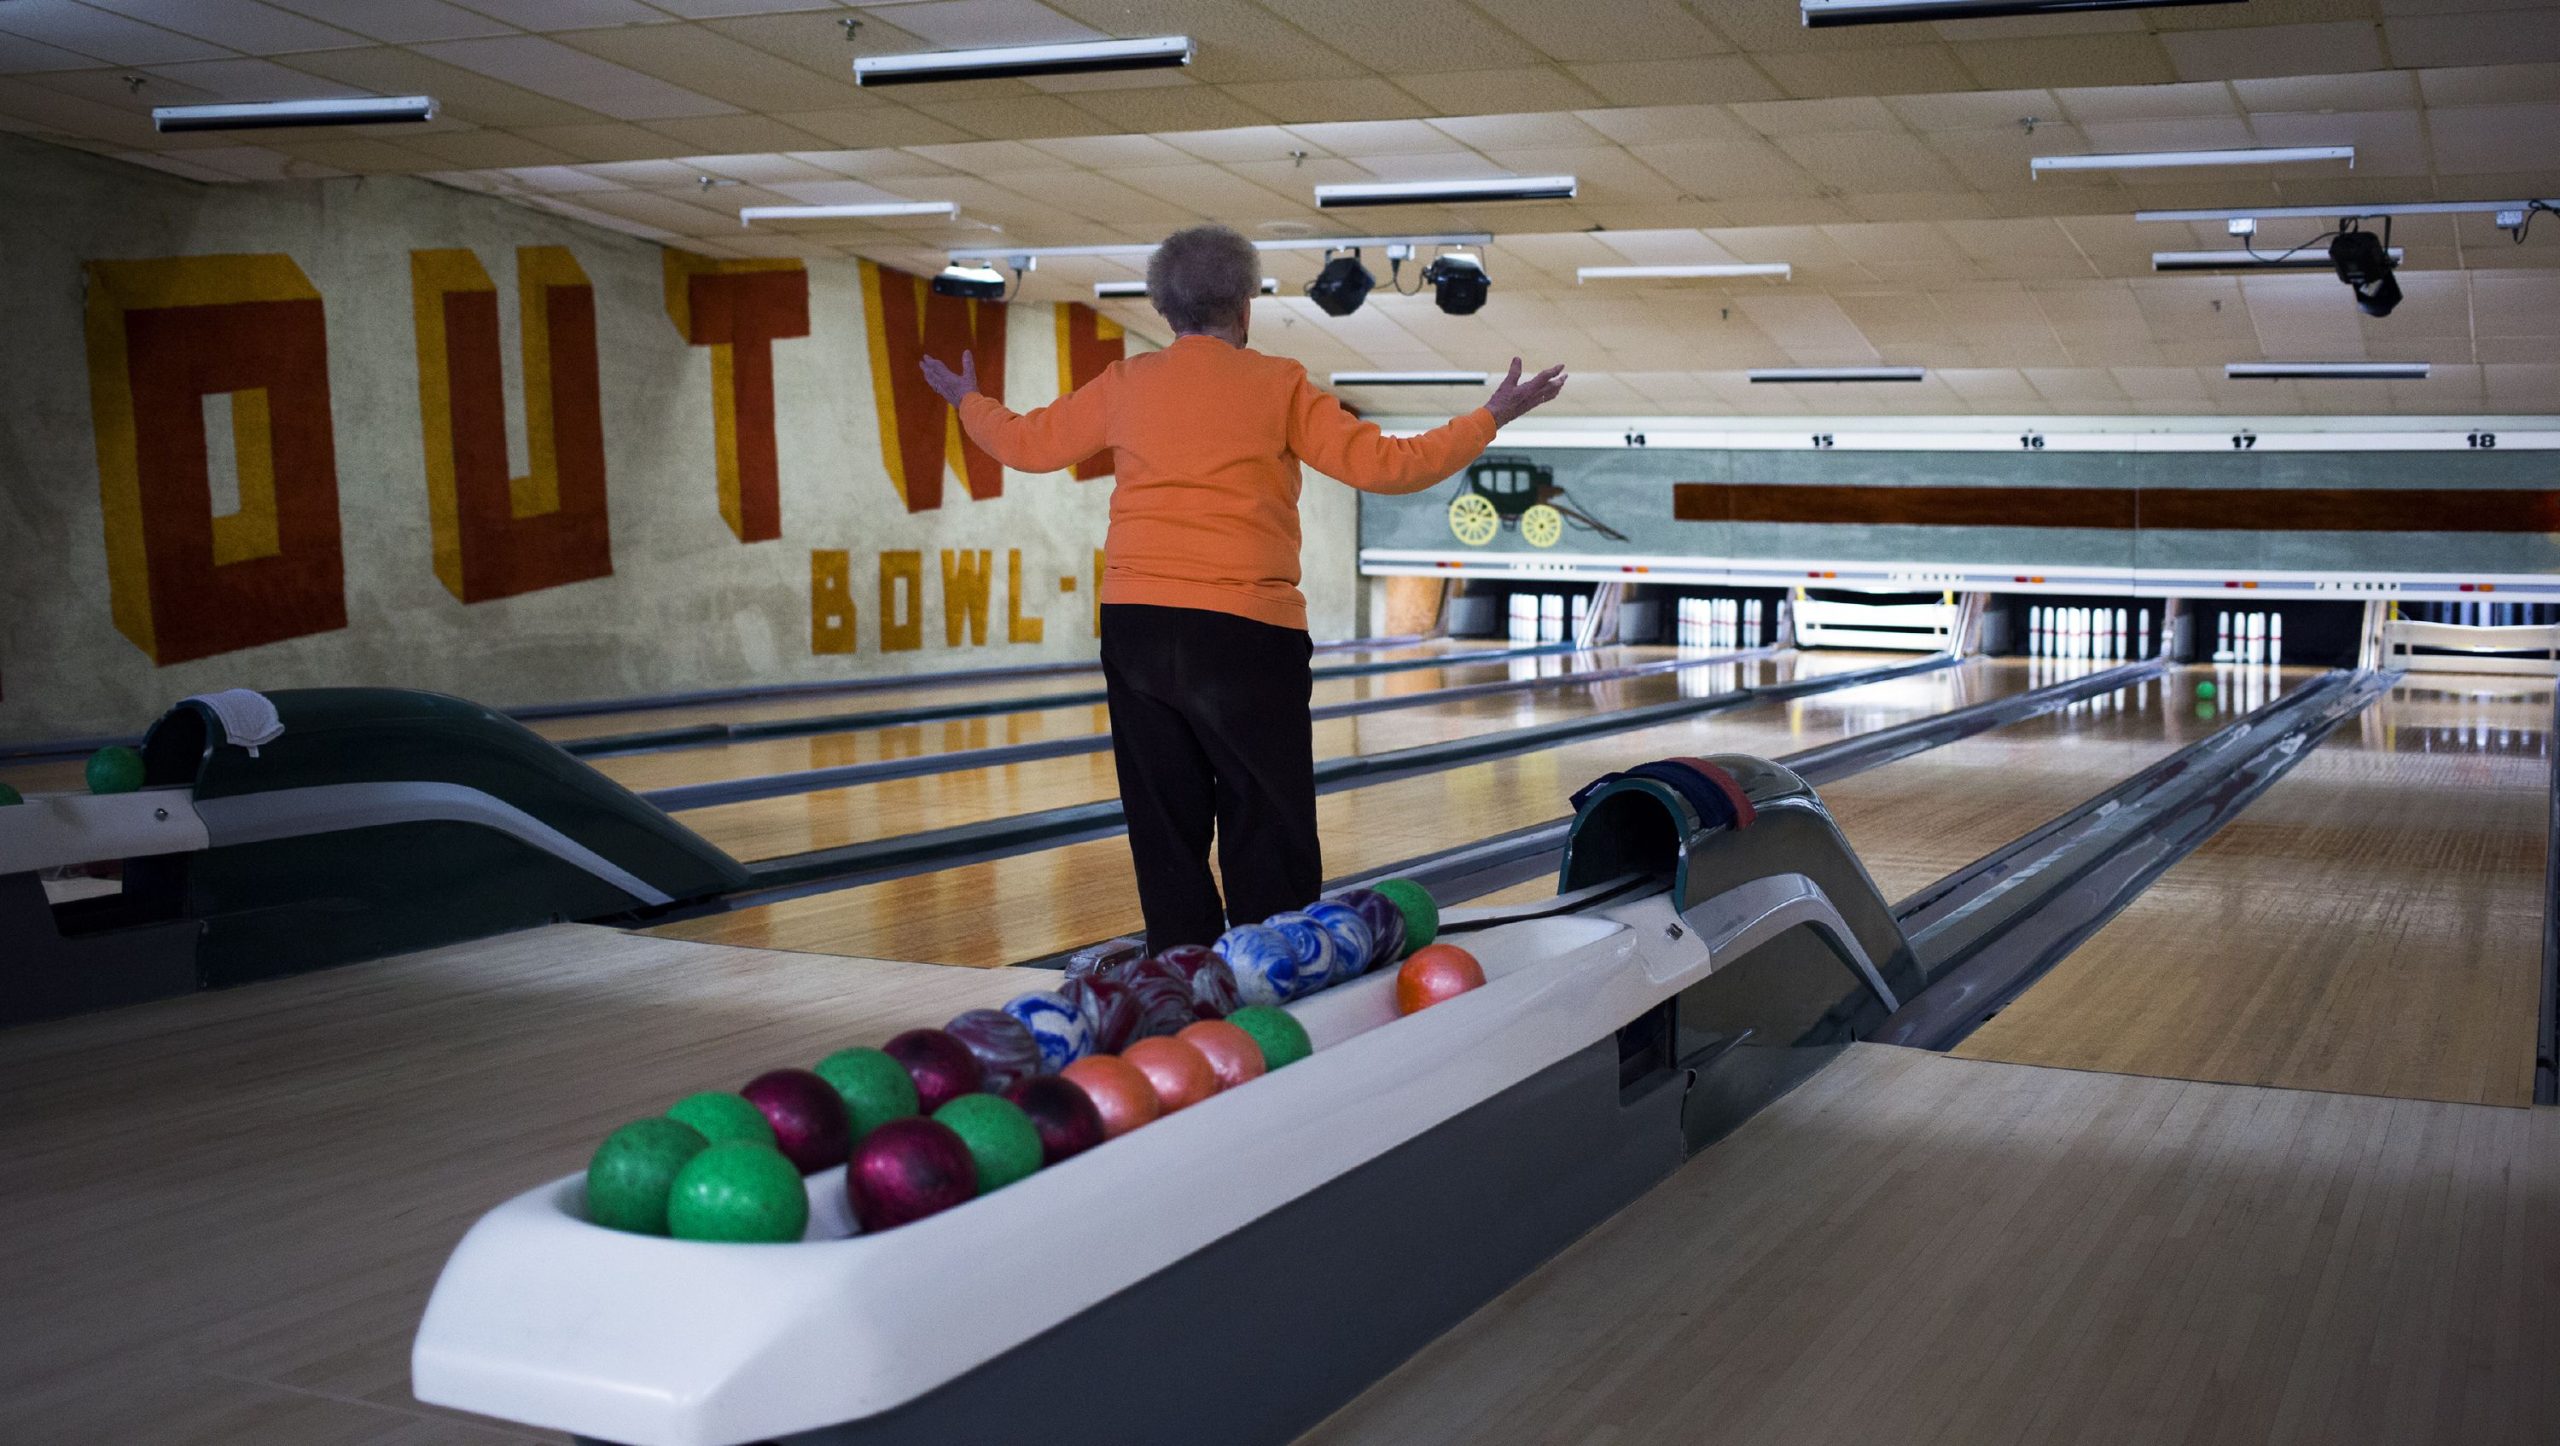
(1514, 398)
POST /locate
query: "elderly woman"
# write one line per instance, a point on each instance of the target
(1204, 633)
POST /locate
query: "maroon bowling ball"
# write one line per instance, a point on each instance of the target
(1213, 984)
(906, 1170)
(1163, 993)
(942, 1067)
(1003, 1044)
(1109, 1005)
(1063, 1114)
(809, 1119)
(1385, 921)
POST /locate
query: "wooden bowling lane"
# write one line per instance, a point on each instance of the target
(54, 775)
(220, 1215)
(1918, 819)
(926, 690)
(797, 823)
(759, 757)
(1916, 1249)
(2371, 924)
(1039, 903)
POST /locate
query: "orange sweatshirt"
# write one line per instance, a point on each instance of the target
(1209, 436)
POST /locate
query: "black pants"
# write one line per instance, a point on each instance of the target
(1210, 728)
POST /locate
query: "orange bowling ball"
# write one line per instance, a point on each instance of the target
(1120, 1091)
(1181, 1074)
(1230, 1051)
(1435, 973)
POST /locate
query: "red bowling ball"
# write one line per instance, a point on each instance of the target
(906, 1170)
(1063, 1113)
(809, 1119)
(943, 1067)
(1436, 974)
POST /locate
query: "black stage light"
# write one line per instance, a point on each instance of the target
(2364, 263)
(1458, 283)
(1342, 285)
(974, 280)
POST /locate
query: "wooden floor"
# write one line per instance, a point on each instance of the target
(831, 818)
(1913, 1250)
(2372, 924)
(1039, 903)
(1918, 819)
(756, 758)
(220, 1215)
(927, 689)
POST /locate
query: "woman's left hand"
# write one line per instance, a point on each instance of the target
(950, 384)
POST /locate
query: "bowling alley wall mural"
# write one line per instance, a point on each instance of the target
(384, 431)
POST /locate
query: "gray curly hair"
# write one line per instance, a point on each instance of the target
(1203, 277)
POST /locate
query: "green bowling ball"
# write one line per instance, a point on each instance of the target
(1000, 1137)
(723, 1117)
(740, 1193)
(1282, 1038)
(1421, 912)
(2204, 689)
(10, 795)
(114, 769)
(632, 1171)
(876, 1088)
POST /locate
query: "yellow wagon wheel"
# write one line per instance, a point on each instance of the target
(1472, 517)
(1542, 525)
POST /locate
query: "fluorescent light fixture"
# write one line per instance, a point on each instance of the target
(1108, 290)
(2327, 371)
(1819, 14)
(252, 115)
(1444, 193)
(1837, 374)
(2174, 160)
(2345, 210)
(1000, 62)
(862, 211)
(1306, 243)
(2308, 258)
(1408, 379)
(1780, 269)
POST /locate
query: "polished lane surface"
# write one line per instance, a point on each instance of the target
(926, 690)
(2371, 924)
(831, 818)
(762, 757)
(1039, 903)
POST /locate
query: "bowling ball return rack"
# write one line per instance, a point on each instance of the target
(380, 821)
(1237, 1271)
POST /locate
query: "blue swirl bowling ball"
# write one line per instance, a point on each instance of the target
(1350, 935)
(1385, 921)
(1320, 960)
(1058, 1027)
(1265, 966)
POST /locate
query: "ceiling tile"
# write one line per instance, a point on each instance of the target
(568, 14)
(400, 21)
(2479, 139)
(459, 93)
(711, 64)
(553, 69)
(244, 25)
(2334, 49)
(1890, 70)
(1712, 79)
(1294, 101)
(962, 24)
(873, 127)
(1625, 30)
(2502, 38)
(735, 134)
(2082, 60)
(82, 30)
(19, 55)
(1466, 92)
(2489, 84)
